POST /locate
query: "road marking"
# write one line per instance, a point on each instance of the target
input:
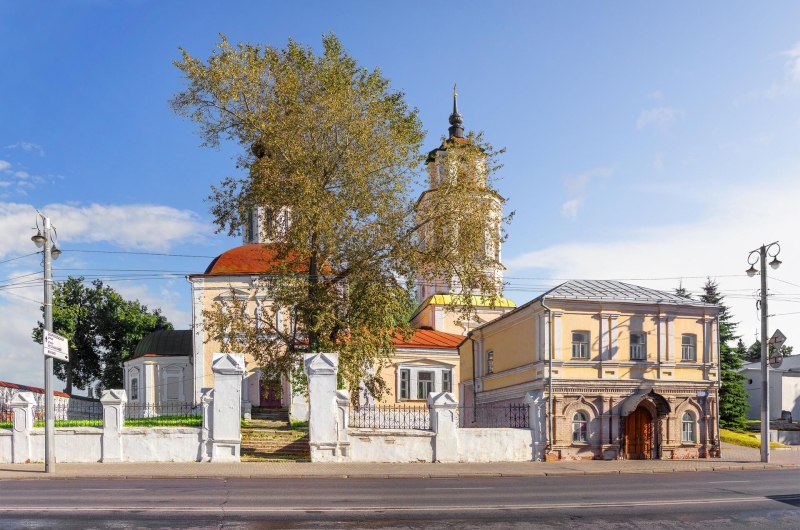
(460, 488)
(729, 481)
(113, 489)
(449, 507)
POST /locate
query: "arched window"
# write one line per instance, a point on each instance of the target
(687, 428)
(579, 422)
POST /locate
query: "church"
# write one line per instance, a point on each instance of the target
(173, 366)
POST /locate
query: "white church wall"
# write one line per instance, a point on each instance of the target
(374, 445)
(162, 444)
(5, 446)
(495, 445)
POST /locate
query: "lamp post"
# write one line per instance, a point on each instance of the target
(43, 240)
(762, 253)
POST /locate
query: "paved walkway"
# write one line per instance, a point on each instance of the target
(734, 458)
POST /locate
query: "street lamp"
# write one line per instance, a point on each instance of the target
(762, 253)
(43, 240)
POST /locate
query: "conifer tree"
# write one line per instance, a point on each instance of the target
(682, 292)
(733, 403)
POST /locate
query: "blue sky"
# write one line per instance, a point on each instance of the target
(644, 141)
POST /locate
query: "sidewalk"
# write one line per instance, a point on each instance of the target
(734, 458)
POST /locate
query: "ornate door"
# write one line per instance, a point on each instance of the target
(639, 435)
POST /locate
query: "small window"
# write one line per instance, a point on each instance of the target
(638, 346)
(688, 348)
(404, 381)
(424, 384)
(134, 388)
(687, 428)
(447, 381)
(579, 422)
(490, 362)
(580, 344)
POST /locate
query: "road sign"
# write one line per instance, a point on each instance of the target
(775, 358)
(55, 346)
(777, 339)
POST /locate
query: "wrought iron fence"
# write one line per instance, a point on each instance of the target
(163, 415)
(6, 416)
(73, 413)
(490, 415)
(390, 417)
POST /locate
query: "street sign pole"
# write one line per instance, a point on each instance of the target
(764, 359)
(49, 414)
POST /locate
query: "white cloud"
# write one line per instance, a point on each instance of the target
(717, 244)
(4, 184)
(133, 226)
(661, 117)
(658, 162)
(4, 165)
(27, 146)
(792, 65)
(21, 174)
(578, 189)
(655, 95)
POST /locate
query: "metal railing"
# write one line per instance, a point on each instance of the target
(6, 416)
(74, 413)
(163, 415)
(390, 417)
(490, 415)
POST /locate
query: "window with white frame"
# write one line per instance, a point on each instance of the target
(688, 347)
(638, 346)
(687, 428)
(580, 344)
(405, 381)
(447, 381)
(425, 384)
(490, 362)
(579, 425)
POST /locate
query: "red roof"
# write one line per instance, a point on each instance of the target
(26, 388)
(250, 259)
(430, 339)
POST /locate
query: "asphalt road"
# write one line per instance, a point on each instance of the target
(734, 499)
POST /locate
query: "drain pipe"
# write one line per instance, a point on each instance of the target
(549, 379)
(474, 380)
(719, 383)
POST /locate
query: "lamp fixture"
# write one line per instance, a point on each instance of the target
(55, 252)
(775, 263)
(752, 271)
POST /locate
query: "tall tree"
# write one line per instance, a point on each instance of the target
(102, 329)
(682, 292)
(733, 403)
(335, 153)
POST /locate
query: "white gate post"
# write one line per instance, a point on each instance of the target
(536, 422)
(443, 422)
(321, 369)
(113, 402)
(22, 404)
(206, 404)
(226, 427)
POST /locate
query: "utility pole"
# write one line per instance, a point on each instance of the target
(763, 252)
(50, 253)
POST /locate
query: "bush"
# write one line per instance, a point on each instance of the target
(744, 439)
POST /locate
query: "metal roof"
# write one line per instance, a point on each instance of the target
(166, 342)
(613, 291)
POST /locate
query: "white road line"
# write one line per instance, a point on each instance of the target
(460, 488)
(729, 481)
(336, 509)
(112, 489)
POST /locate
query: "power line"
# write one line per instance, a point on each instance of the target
(20, 257)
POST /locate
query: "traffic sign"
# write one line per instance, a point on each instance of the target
(777, 339)
(55, 346)
(775, 358)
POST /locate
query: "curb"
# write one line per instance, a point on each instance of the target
(542, 473)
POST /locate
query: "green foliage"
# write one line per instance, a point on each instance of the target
(733, 403)
(682, 292)
(333, 156)
(102, 328)
(166, 421)
(744, 439)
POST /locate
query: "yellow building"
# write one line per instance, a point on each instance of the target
(626, 371)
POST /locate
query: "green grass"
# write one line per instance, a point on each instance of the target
(299, 424)
(6, 424)
(744, 439)
(165, 421)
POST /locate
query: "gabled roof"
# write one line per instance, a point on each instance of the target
(789, 364)
(430, 339)
(34, 389)
(168, 343)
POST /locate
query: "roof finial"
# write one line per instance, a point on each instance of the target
(456, 120)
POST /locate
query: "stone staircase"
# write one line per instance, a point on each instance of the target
(268, 436)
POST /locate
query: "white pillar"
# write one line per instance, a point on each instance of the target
(603, 342)
(661, 326)
(113, 402)
(342, 420)
(614, 336)
(557, 334)
(443, 422)
(226, 435)
(22, 404)
(207, 405)
(321, 370)
(536, 422)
